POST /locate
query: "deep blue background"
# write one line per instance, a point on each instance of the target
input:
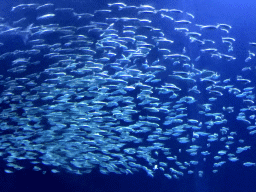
(231, 177)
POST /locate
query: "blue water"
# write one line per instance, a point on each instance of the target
(232, 177)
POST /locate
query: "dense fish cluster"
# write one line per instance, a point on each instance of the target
(119, 90)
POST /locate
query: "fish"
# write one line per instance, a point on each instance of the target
(119, 93)
(17, 31)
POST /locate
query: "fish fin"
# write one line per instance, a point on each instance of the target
(26, 33)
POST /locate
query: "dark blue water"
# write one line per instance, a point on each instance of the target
(232, 177)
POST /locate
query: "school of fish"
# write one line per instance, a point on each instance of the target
(120, 90)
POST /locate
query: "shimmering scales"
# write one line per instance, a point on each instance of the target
(111, 91)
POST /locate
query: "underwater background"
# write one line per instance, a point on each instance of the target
(232, 176)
